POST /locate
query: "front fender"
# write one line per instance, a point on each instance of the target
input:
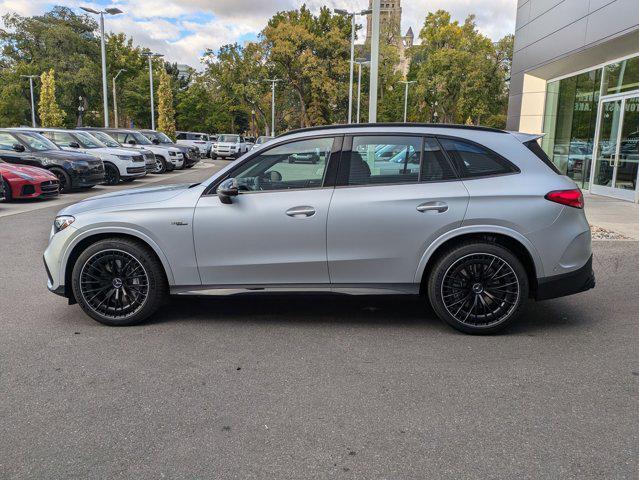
(474, 229)
(84, 233)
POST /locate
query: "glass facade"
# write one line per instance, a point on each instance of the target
(570, 122)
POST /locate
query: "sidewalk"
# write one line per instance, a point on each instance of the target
(615, 215)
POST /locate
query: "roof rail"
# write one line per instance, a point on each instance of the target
(391, 124)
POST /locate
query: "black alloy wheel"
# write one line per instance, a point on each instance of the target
(478, 288)
(119, 282)
(8, 194)
(111, 174)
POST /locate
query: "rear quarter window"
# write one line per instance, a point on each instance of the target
(535, 148)
(473, 160)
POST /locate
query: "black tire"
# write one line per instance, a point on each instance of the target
(111, 174)
(8, 195)
(119, 282)
(63, 178)
(160, 165)
(478, 287)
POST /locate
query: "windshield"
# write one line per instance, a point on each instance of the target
(106, 139)
(37, 142)
(159, 136)
(228, 138)
(139, 138)
(89, 141)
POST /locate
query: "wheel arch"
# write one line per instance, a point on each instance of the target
(510, 239)
(83, 241)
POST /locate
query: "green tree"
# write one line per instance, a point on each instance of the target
(457, 70)
(51, 115)
(166, 111)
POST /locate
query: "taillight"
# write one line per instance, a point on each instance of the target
(572, 198)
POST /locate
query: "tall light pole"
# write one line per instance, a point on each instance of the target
(273, 82)
(31, 77)
(360, 62)
(375, 25)
(407, 83)
(346, 13)
(110, 11)
(115, 98)
(149, 56)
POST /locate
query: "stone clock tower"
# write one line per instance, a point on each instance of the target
(391, 30)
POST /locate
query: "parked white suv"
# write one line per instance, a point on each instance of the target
(166, 158)
(149, 157)
(229, 146)
(201, 141)
(119, 164)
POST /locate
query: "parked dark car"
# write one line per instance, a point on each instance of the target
(191, 154)
(1, 189)
(73, 169)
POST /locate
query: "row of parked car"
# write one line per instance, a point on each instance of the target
(43, 162)
(220, 146)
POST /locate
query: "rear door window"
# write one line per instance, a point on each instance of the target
(473, 160)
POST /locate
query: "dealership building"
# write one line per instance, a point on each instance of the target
(575, 78)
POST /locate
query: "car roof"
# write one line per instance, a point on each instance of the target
(412, 126)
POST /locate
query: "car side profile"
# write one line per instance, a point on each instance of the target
(474, 219)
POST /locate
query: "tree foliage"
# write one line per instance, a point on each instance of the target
(51, 115)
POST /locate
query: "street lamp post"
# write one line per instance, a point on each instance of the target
(110, 11)
(374, 71)
(115, 98)
(149, 56)
(407, 83)
(360, 62)
(31, 77)
(346, 13)
(273, 82)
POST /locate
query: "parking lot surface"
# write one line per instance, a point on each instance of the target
(312, 386)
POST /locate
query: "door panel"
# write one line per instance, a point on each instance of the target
(628, 158)
(263, 238)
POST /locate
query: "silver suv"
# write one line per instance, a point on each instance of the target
(476, 220)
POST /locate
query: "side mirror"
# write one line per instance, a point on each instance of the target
(131, 142)
(74, 145)
(226, 190)
(156, 141)
(18, 147)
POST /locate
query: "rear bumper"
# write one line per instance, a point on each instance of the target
(566, 284)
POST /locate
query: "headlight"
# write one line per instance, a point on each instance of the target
(172, 154)
(125, 157)
(62, 222)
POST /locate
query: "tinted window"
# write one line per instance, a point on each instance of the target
(384, 160)
(36, 142)
(7, 141)
(181, 136)
(293, 165)
(61, 138)
(473, 160)
(535, 148)
(228, 138)
(435, 166)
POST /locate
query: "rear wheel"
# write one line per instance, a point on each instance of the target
(111, 174)
(63, 178)
(8, 194)
(118, 282)
(478, 288)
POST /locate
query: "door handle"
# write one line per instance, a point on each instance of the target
(298, 212)
(439, 207)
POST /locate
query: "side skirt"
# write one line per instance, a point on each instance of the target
(349, 289)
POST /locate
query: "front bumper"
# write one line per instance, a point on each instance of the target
(135, 171)
(27, 189)
(566, 284)
(93, 177)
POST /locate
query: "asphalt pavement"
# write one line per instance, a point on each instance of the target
(313, 386)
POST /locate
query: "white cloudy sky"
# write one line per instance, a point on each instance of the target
(183, 29)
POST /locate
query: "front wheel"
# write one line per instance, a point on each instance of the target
(8, 194)
(111, 174)
(160, 165)
(118, 282)
(478, 288)
(64, 180)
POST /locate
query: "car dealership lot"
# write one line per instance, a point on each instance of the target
(311, 386)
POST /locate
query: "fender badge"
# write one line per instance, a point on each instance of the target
(179, 224)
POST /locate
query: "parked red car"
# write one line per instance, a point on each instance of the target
(21, 182)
